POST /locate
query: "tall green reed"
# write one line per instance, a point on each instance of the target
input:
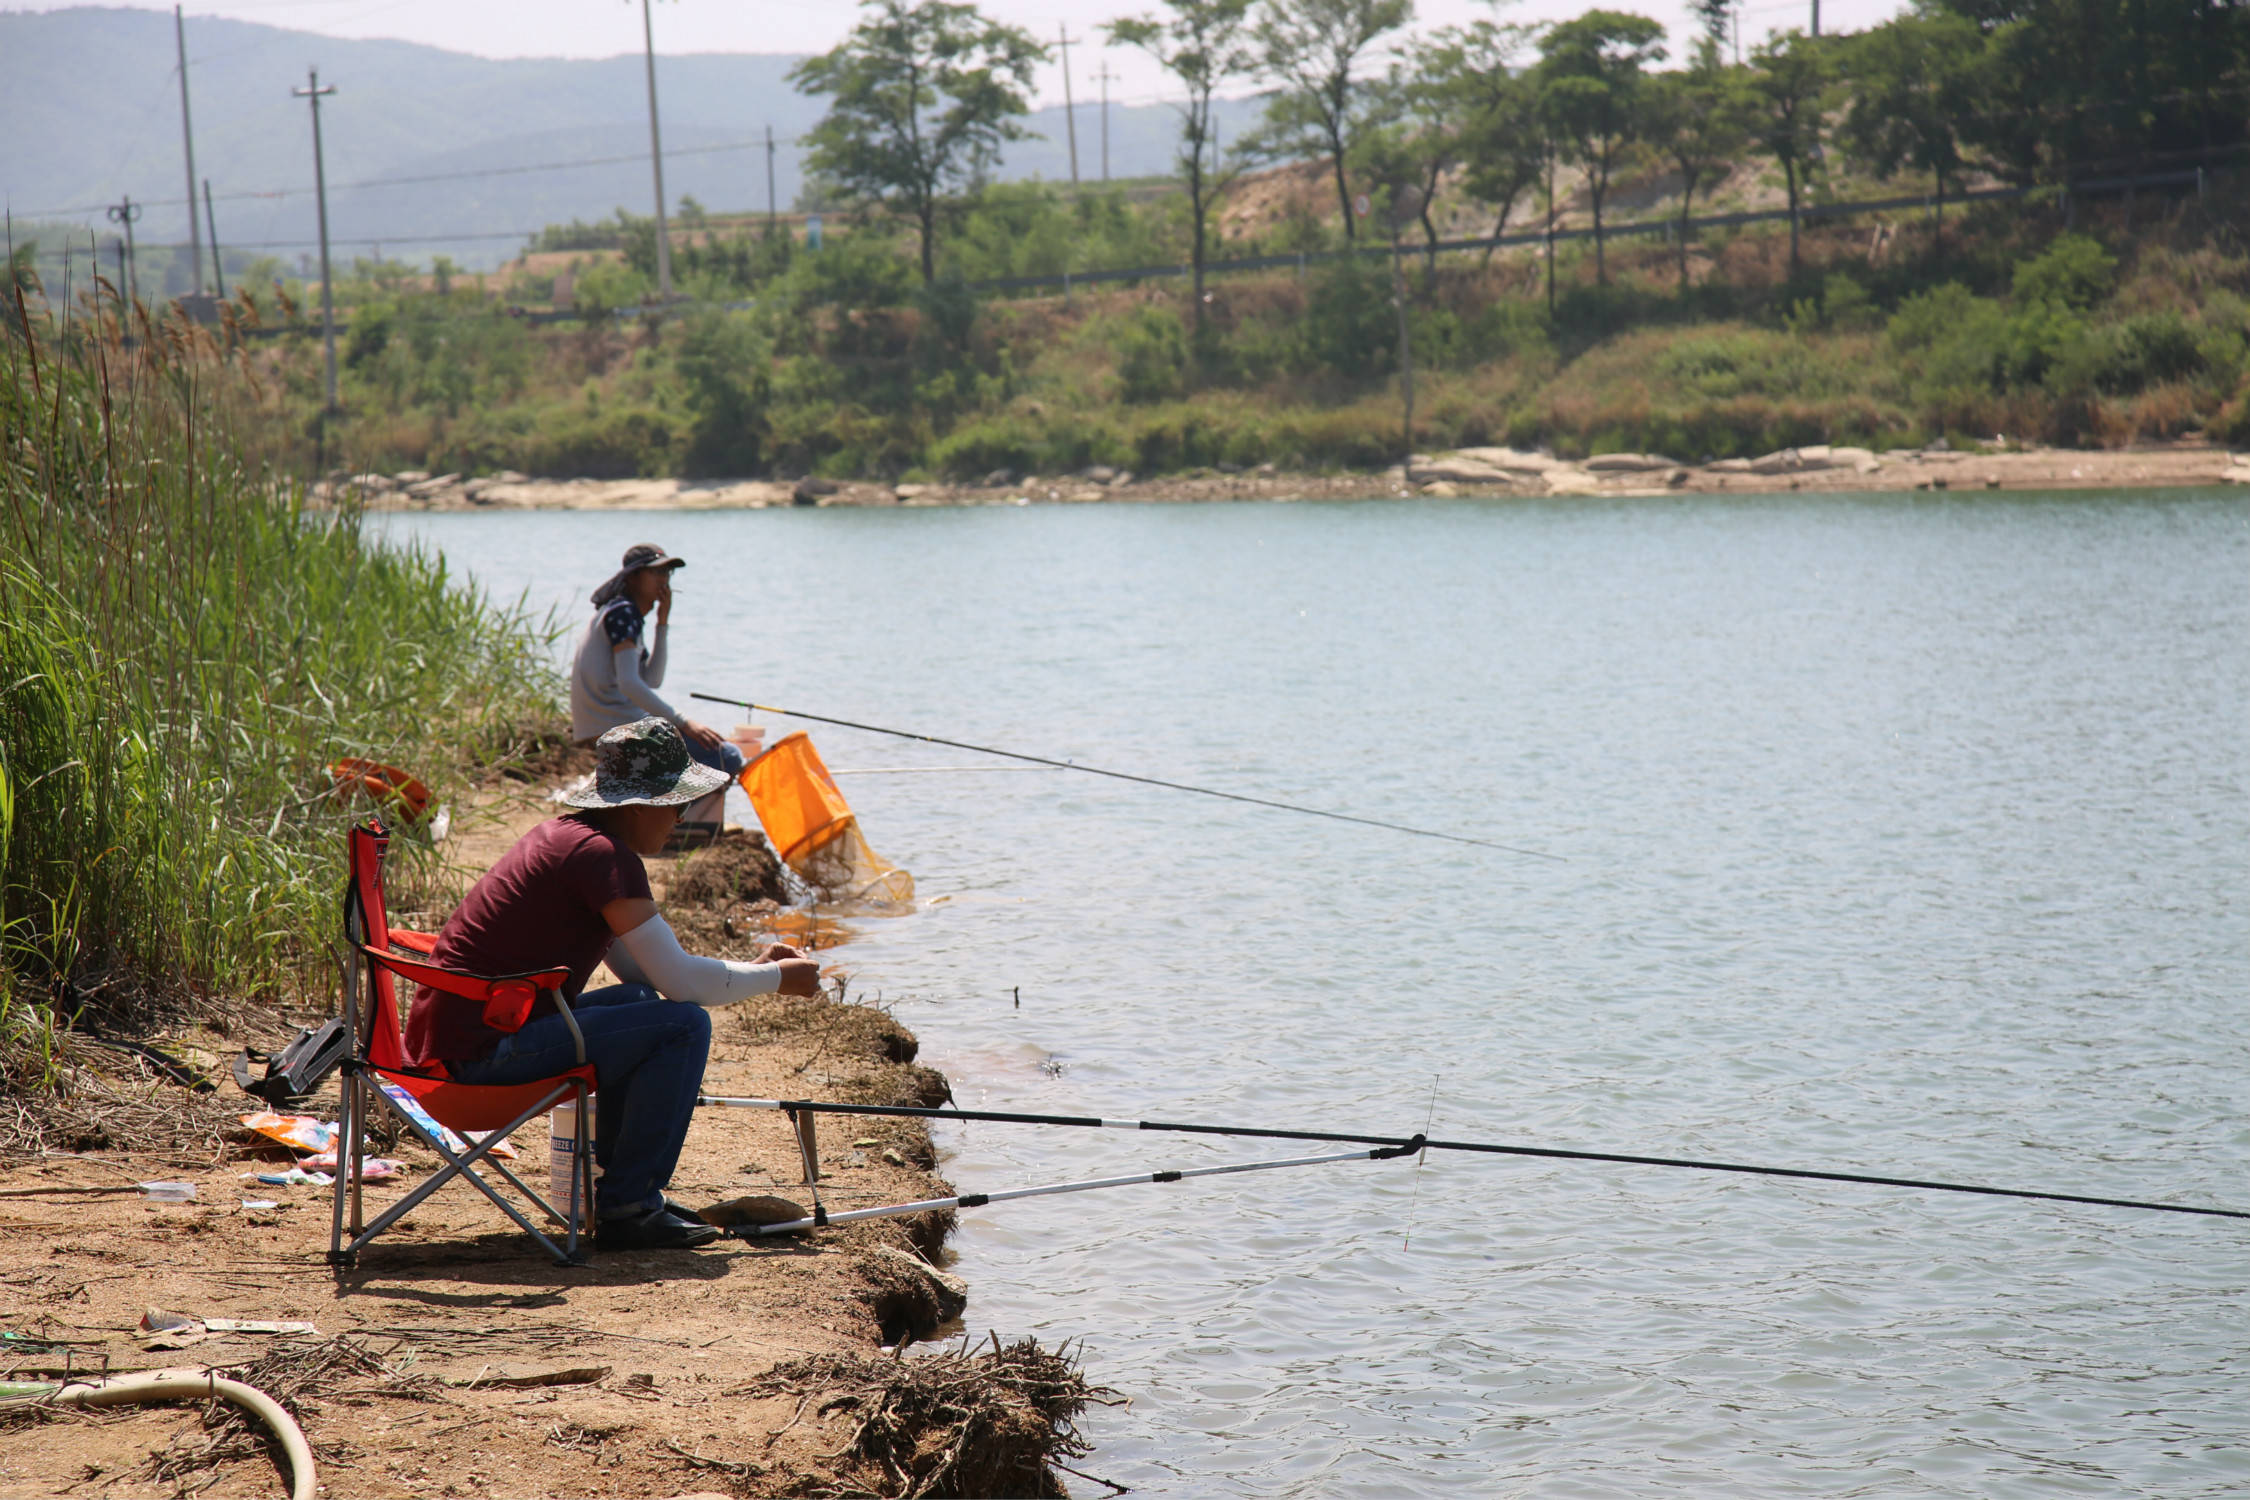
(185, 647)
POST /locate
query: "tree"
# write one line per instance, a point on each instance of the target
(1716, 17)
(1455, 102)
(1788, 82)
(1591, 73)
(1911, 91)
(1505, 145)
(1696, 120)
(922, 97)
(1312, 46)
(1202, 43)
(2111, 85)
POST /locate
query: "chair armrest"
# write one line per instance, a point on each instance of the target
(577, 1037)
(416, 942)
(467, 986)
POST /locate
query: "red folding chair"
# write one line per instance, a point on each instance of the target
(427, 1104)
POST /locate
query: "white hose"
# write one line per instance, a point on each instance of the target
(202, 1385)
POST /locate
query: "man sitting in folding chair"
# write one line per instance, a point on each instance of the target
(573, 892)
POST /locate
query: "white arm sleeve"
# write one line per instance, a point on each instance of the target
(654, 950)
(628, 660)
(652, 674)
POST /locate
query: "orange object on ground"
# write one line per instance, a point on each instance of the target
(385, 786)
(812, 827)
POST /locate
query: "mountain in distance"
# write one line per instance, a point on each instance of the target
(89, 107)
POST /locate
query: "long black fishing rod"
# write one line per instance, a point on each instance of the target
(1486, 1147)
(1175, 786)
(820, 1218)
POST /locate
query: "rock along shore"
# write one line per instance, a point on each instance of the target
(1474, 472)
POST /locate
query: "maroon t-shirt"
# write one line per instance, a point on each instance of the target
(540, 907)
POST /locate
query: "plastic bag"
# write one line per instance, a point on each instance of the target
(303, 1133)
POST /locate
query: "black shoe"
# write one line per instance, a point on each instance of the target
(656, 1229)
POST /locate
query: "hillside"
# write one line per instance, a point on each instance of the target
(89, 106)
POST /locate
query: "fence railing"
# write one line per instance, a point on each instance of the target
(1068, 281)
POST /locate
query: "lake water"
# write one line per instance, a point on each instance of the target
(1901, 834)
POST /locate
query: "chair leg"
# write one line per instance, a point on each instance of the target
(464, 1166)
(336, 1255)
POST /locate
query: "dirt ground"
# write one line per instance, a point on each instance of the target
(456, 1359)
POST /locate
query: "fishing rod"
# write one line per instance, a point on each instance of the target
(820, 1218)
(1176, 786)
(808, 1107)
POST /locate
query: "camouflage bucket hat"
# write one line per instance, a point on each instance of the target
(645, 763)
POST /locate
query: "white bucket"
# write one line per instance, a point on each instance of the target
(562, 1153)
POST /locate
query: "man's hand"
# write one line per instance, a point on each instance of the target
(702, 734)
(775, 952)
(799, 976)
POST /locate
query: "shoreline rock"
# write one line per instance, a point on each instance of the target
(1468, 473)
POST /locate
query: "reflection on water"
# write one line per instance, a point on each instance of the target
(1904, 835)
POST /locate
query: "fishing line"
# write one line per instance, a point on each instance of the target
(1421, 1160)
(1417, 1143)
(1176, 786)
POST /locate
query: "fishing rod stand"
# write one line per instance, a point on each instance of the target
(802, 1125)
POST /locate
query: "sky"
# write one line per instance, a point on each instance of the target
(604, 28)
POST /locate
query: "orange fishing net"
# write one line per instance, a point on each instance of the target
(812, 828)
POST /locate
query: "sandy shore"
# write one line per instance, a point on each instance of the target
(456, 1359)
(1467, 472)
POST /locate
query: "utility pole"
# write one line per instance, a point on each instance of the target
(1399, 207)
(1070, 111)
(1816, 17)
(314, 92)
(1106, 77)
(129, 263)
(656, 160)
(771, 220)
(218, 267)
(187, 138)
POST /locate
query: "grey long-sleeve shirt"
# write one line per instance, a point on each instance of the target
(615, 678)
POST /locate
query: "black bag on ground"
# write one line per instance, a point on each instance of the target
(293, 1073)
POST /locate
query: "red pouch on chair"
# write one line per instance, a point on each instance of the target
(509, 1004)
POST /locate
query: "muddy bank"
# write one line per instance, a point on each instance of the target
(1468, 472)
(455, 1359)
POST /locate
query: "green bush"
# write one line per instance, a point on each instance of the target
(1151, 350)
(1350, 324)
(727, 369)
(2074, 272)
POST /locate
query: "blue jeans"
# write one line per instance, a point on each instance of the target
(725, 756)
(648, 1054)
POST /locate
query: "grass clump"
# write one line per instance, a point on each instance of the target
(185, 651)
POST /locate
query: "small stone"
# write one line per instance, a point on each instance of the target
(908, 491)
(811, 488)
(998, 479)
(1099, 474)
(1442, 488)
(410, 476)
(1676, 478)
